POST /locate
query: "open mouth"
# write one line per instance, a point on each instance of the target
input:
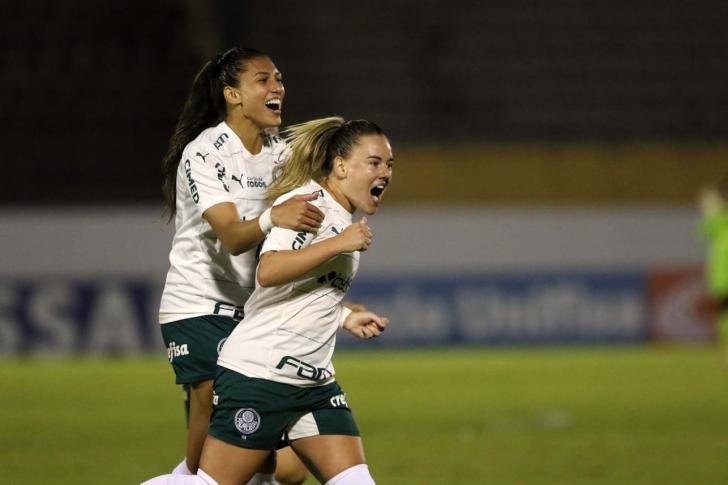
(274, 105)
(377, 192)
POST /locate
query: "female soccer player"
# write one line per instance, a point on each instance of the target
(276, 377)
(218, 166)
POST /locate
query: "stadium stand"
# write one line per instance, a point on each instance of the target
(92, 92)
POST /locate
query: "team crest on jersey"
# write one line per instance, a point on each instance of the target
(247, 421)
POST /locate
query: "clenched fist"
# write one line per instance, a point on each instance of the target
(356, 237)
(365, 325)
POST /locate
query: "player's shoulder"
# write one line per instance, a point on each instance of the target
(211, 140)
(309, 188)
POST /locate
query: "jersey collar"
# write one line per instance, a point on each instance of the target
(239, 143)
(330, 198)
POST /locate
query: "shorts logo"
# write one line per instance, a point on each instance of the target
(220, 344)
(247, 420)
(174, 350)
(339, 401)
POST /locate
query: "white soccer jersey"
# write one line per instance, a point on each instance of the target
(289, 331)
(203, 278)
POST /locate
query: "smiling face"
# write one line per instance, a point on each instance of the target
(364, 175)
(259, 94)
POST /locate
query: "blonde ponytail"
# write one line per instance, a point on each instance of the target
(314, 146)
(308, 143)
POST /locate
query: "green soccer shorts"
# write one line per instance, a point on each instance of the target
(259, 414)
(193, 345)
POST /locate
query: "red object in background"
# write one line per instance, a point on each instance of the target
(680, 308)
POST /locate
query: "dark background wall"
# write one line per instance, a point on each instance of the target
(473, 70)
(91, 91)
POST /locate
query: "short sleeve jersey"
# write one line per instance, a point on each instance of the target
(289, 331)
(203, 278)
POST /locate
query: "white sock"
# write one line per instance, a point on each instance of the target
(263, 479)
(356, 475)
(201, 478)
(182, 469)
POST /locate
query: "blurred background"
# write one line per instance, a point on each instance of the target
(548, 156)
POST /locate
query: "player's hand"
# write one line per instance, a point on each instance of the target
(356, 237)
(298, 214)
(365, 325)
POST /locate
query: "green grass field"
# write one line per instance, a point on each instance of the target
(562, 416)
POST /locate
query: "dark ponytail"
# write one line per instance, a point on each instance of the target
(205, 107)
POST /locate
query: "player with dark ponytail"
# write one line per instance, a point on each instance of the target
(216, 171)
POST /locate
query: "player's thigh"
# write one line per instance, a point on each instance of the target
(229, 464)
(200, 399)
(289, 468)
(327, 437)
(328, 455)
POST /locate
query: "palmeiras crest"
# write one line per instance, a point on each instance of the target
(247, 420)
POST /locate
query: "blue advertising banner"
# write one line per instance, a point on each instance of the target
(509, 308)
(68, 316)
(119, 316)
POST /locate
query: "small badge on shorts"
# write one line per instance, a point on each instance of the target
(247, 420)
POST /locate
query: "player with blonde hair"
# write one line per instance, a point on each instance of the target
(276, 377)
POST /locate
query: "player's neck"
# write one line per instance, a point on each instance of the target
(338, 195)
(250, 135)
